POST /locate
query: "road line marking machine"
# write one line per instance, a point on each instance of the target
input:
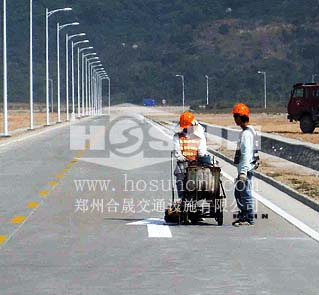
(203, 194)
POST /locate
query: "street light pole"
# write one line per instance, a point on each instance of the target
(67, 39)
(59, 28)
(92, 82)
(85, 58)
(73, 86)
(31, 65)
(109, 80)
(82, 80)
(79, 100)
(103, 77)
(67, 76)
(47, 15)
(265, 87)
(207, 90)
(5, 72)
(106, 77)
(183, 85)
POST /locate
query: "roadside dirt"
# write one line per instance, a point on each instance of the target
(302, 179)
(269, 123)
(21, 119)
(277, 124)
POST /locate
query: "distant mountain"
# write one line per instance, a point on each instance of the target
(145, 43)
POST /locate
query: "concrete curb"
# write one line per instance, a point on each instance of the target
(280, 186)
(304, 154)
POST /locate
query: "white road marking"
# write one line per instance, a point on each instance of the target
(158, 231)
(156, 227)
(291, 219)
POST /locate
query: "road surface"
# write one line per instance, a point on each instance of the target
(60, 236)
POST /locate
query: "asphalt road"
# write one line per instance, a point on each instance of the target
(59, 238)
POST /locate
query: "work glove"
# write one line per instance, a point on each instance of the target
(242, 177)
(181, 158)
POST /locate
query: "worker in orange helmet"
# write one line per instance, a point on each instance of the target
(246, 160)
(189, 145)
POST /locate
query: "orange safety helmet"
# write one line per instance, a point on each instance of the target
(241, 109)
(186, 120)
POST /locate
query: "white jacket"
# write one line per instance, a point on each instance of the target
(246, 146)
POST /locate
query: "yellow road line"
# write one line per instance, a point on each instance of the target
(59, 176)
(53, 183)
(65, 170)
(3, 239)
(33, 205)
(43, 193)
(70, 165)
(17, 219)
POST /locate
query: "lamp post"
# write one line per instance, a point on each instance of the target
(90, 83)
(31, 66)
(51, 95)
(67, 39)
(265, 87)
(183, 86)
(109, 98)
(79, 83)
(73, 86)
(82, 80)
(59, 28)
(86, 60)
(93, 65)
(103, 77)
(87, 82)
(207, 89)
(5, 73)
(47, 15)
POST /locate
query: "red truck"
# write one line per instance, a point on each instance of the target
(304, 106)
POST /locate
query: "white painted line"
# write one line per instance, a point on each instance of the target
(291, 219)
(156, 227)
(158, 231)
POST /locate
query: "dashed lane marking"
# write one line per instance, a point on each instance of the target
(33, 205)
(3, 239)
(53, 183)
(44, 193)
(21, 220)
(17, 219)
